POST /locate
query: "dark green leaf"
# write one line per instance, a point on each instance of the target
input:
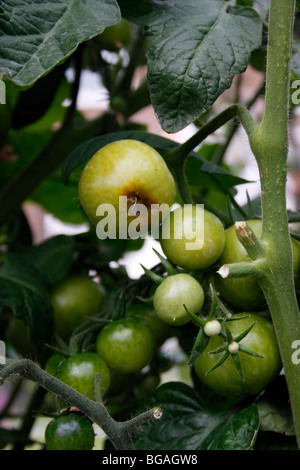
(53, 258)
(204, 174)
(35, 36)
(187, 425)
(194, 57)
(59, 200)
(23, 290)
(275, 418)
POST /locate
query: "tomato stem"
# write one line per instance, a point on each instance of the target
(118, 433)
(269, 142)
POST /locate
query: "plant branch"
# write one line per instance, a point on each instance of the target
(237, 110)
(242, 269)
(118, 433)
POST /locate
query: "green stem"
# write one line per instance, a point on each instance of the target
(269, 143)
(181, 152)
(177, 158)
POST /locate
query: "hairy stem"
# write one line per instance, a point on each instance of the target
(118, 433)
(269, 143)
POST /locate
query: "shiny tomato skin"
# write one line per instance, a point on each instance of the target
(179, 250)
(258, 372)
(53, 364)
(79, 372)
(70, 432)
(127, 344)
(173, 293)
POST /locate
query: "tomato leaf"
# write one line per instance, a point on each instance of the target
(36, 36)
(275, 418)
(186, 423)
(52, 258)
(202, 173)
(23, 291)
(193, 58)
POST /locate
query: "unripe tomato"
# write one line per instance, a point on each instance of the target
(173, 293)
(180, 236)
(132, 170)
(245, 292)
(258, 372)
(79, 372)
(127, 345)
(71, 431)
(74, 300)
(53, 364)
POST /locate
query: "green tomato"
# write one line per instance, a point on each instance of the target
(173, 293)
(115, 37)
(79, 372)
(147, 313)
(244, 293)
(134, 171)
(71, 431)
(53, 364)
(258, 372)
(127, 344)
(192, 237)
(74, 300)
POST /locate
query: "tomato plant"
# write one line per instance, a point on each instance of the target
(70, 431)
(186, 146)
(244, 292)
(258, 371)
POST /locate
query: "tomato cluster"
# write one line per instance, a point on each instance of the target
(126, 348)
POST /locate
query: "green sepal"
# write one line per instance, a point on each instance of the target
(199, 346)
